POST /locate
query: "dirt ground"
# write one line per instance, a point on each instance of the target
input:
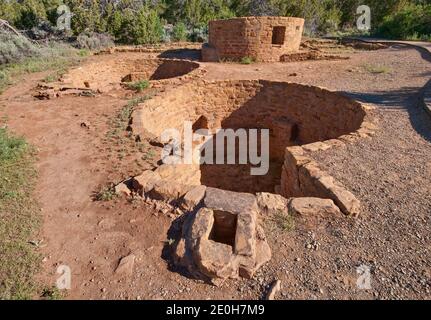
(80, 151)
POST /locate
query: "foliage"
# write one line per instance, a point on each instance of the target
(15, 48)
(106, 193)
(246, 60)
(31, 58)
(142, 21)
(413, 23)
(139, 86)
(94, 41)
(179, 32)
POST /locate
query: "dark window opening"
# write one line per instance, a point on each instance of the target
(278, 35)
(224, 228)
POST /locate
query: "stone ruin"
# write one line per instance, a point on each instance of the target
(223, 204)
(220, 207)
(221, 238)
(265, 39)
(102, 77)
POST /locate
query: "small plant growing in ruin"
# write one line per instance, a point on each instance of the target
(107, 193)
(139, 86)
(377, 69)
(281, 221)
(246, 60)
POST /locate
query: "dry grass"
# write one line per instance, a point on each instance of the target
(280, 221)
(19, 219)
(377, 69)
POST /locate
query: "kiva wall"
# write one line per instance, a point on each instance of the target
(294, 114)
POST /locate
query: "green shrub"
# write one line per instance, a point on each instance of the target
(144, 27)
(139, 86)
(246, 60)
(413, 22)
(179, 33)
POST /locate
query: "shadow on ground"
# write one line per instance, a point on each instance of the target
(405, 99)
(183, 54)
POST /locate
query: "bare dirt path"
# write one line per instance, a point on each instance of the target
(390, 174)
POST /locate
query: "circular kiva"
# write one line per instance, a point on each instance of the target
(107, 73)
(295, 114)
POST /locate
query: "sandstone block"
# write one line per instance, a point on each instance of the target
(125, 267)
(234, 202)
(216, 260)
(168, 190)
(194, 197)
(271, 203)
(122, 188)
(145, 182)
(313, 206)
(245, 238)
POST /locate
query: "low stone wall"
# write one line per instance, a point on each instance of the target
(318, 113)
(152, 48)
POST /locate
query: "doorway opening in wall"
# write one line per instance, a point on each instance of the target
(278, 35)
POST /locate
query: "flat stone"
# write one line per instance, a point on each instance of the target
(245, 239)
(168, 190)
(343, 198)
(122, 188)
(249, 266)
(275, 287)
(216, 260)
(188, 174)
(271, 203)
(202, 224)
(145, 182)
(125, 267)
(194, 197)
(313, 206)
(230, 201)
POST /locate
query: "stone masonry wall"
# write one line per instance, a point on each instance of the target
(265, 39)
(295, 115)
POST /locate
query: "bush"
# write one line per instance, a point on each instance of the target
(94, 41)
(14, 48)
(139, 86)
(144, 27)
(413, 22)
(199, 34)
(179, 33)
